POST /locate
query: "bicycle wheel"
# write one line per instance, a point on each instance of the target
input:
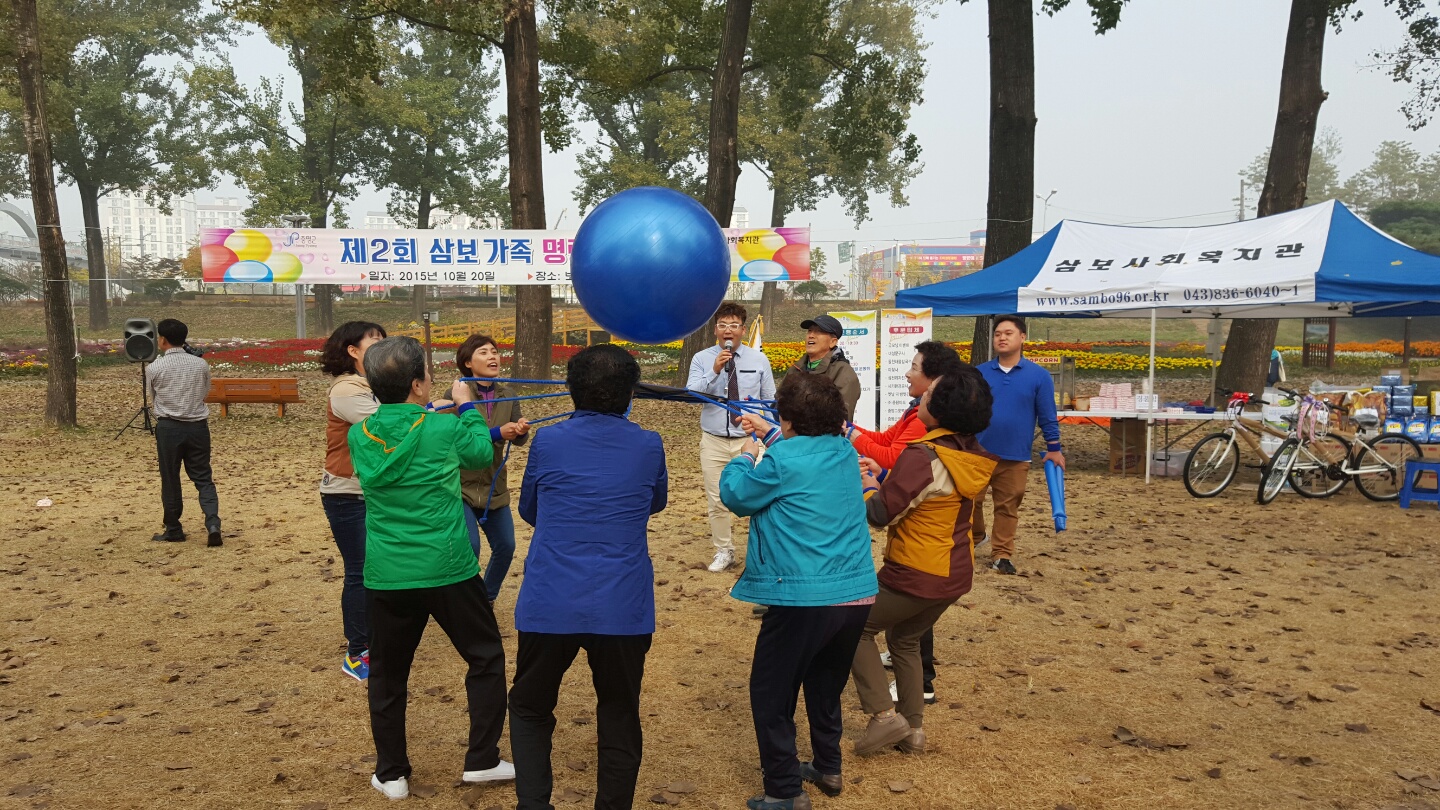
(1273, 476)
(1316, 472)
(1380, 466)
(1211, 465)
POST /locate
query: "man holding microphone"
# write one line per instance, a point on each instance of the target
(732, 370)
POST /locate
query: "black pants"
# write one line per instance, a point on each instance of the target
(810, 648)
(185, 443)
(617, 665)
(397, 621)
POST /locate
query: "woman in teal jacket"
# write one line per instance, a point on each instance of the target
(808, 558)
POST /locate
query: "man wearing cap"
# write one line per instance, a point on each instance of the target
(822, 333)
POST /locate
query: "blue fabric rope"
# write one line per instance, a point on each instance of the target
(505, 459)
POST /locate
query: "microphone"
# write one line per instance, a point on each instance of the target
(729, 345)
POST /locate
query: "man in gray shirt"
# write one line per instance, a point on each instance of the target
(733, 370)
(178, 383)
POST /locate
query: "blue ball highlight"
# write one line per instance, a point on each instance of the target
(650, 265)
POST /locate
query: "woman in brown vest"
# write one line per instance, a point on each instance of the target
(487, 491)
(350, 401)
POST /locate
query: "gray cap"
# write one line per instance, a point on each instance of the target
(826, 324)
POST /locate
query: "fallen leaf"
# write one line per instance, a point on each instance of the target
(1346, 688)
(1358, 728)
(178, 766)
(665, 798)
(576, 764)
(1125, 735)
(1408, 775)
(423, 791)
(682, 786)
(899, 786)
(989, 727)
(1432, 704)
(1213, 773)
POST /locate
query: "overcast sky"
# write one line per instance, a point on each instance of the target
(1149, 122)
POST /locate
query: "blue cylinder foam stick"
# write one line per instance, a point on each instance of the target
(1055, 480)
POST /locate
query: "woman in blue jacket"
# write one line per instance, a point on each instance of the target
(808, 558)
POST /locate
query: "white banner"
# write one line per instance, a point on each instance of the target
(859, 344)
(900, 330)
(416, 257)
(1265, 261)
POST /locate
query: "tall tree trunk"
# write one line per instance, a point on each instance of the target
(770, 294)
(422, 222)
(1011, 206)
(324, 293)
(534, 317)
(1247, 348)
(95, 257)
(59, 318)
(723, 170)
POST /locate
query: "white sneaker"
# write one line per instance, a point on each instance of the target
(724, 558)
(885, 660)
(504, 772)
(894, 693)
(394, 789)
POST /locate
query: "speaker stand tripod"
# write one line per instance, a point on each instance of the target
(144, 412)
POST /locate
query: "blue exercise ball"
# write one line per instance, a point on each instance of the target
(650, 265)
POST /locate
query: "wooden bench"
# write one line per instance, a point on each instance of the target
(230, 390)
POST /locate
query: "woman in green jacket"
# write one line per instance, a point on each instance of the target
(418, 561)
(487, 491)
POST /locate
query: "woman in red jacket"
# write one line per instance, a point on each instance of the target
(932, 359)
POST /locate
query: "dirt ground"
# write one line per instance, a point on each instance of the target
(1164, 652)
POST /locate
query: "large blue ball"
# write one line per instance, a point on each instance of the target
(650, 265)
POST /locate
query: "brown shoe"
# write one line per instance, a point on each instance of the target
(915, 743)
(882, 734)
(829, 783)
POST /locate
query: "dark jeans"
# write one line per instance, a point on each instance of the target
(617, 665)
(810, 648)
(185, 443)
(499, 529)
(397, 621)
(346, 514)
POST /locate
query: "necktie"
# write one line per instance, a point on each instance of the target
(732, 385)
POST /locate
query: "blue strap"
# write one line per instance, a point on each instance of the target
(504, 459)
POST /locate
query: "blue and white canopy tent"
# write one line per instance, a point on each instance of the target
(1321, 261)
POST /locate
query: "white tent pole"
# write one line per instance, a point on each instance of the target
(1150, 423)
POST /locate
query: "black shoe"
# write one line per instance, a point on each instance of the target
(213, 539)
(930, 699)
(169, 537)
(801, 802)
(829, 783)
(1003, 566)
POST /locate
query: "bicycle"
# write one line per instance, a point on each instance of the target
(1320, 459)
(1215, 459)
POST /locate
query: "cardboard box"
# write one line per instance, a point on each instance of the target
(1403, 372)
(1127, 446)
(1082, 403)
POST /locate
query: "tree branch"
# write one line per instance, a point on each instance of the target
(679, 69)
(386, 9)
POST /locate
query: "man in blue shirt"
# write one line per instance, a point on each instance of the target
(1024, 397)
(590, 486)
(734, 370)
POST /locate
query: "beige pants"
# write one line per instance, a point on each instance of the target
(715, 453)
(1007, 490)
(903, 619)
